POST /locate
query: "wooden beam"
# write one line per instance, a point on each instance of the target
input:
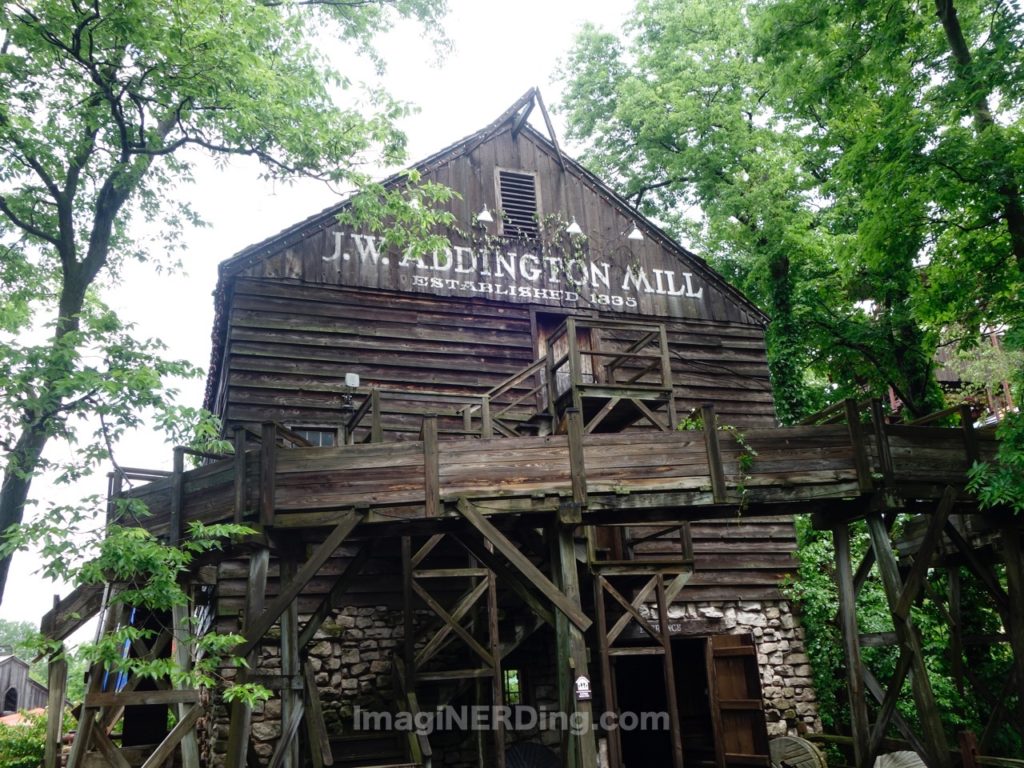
(888, 704)
(931, 725)
(876, 690)
(316, 729)
(241, 714)
(106, 748)
(290, 591)
(923, 556)
(292, 707)
(338, 590)
(167, 746)
(571, 652)
(980, 569)
(431, 463)
(239, 476)
(137, 698)
(633, 610)
(675, 728)
(860, 455)
(859, 725)
(714, 452)
(435, 643)
(268, 473)
(509, 577)
(287, 740)
(183, 658)
(457, 628)
(882, 440)
(577, 469)
(522, 563)
(57, 685)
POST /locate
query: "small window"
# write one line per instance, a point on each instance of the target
(513, 686)
(517, 198)
(321, 437)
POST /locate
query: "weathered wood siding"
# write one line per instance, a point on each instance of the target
(14, 675)
(290, 344)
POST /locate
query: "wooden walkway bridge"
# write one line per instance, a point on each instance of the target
(472, 487)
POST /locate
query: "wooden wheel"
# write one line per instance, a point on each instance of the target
(794, 752)
(904, 759)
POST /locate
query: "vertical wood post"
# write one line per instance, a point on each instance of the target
(607, 679)
(714, 451)
(115, 485)
(670, 676)
(497, 679)
(57, 684)
(933, 737)
(970, 438)
(666, 376)
(581, 749)
(240, 469)
(486, 426)
(1012, 553)
(431, 467)
(551, 381)
(291, 664)
(860, 728)
(241, 714)
(376, 426)
(968, 749)
(409, 640)
(268, 473)
(860, 454)
(183, 658)
(882, 439)
(577, 469)
(956, 643)
(177, 492)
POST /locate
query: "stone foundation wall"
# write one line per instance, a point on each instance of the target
(351, 660)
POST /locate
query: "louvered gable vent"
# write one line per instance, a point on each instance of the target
(518, 194)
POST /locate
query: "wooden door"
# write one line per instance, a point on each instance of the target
(737, 707)
(547, 324)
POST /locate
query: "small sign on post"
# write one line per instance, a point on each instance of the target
(582, 688)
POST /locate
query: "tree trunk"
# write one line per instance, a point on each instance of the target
(21, 466)
(1006, 184)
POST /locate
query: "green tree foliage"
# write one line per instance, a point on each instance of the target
(853, 167)
(22, 746)
(104, 108)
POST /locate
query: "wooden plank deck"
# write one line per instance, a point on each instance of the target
(624, 471)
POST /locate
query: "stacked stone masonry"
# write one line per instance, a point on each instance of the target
(351, 659)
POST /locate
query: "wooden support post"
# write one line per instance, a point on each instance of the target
(497, 679)
(670, 676)
(241, 714)
(931, 725)
(240, 469)
(115, 485)
(882, 440)
(552, 386)
(316, 730)
(376, 425)
(860, 454)
(332, 599)
(607, 679)
(970, 438)
(183, 657)
(486, 425)
(956, 630)
(291, 663)
(575, 363)
(57, 684)
(714, 451)
(1012, 553)
(268, 473)
(409, 638)
(859, 725)
(177, 491)
(431, 463)
(571, 653)
(968, 749)
(577, 470)
(666, 376)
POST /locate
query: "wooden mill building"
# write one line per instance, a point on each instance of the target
(536, 471)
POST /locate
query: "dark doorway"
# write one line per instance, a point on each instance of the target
(689, 658)
(640, 688)
(11, 700)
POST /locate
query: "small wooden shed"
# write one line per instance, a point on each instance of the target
(17, 690)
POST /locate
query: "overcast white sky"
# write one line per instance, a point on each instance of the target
(501, 50)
